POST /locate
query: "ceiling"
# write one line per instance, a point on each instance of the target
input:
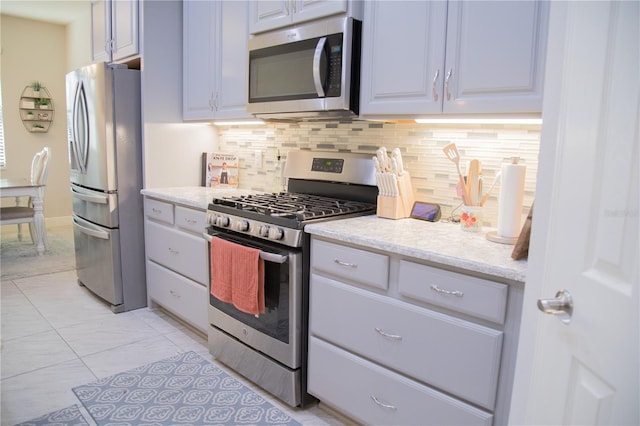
(55, 11)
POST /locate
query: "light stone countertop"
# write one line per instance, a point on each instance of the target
(193, 196)
(439, 242)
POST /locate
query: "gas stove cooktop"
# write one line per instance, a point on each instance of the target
(321, 186)
(292, 207)
(279, 217)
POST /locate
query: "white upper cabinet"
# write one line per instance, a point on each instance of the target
(114, 29)
(215, 60)
(267, 15)
(403, 45)
(458, 57)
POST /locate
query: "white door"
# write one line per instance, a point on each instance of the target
(585, 225)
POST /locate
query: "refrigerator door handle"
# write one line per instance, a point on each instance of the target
(80, 117)
(74, 130)
(91, 232)
(99, 199)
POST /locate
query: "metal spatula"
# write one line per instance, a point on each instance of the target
(451, 151)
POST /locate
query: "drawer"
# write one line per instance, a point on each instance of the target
(350, 384)
(362, 266)
(190, 219)
(184, 253)
(458, 356)
(158, 210)
(179, 295)
(470, 295)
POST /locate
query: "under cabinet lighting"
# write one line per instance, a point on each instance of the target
(238, 123)
(478, 120)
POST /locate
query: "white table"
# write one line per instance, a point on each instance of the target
(24, 188)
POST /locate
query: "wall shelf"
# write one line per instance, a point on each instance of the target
(36, 109)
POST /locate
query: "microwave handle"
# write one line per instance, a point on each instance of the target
(317, 56)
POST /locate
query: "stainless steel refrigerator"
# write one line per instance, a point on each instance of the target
(105, 156)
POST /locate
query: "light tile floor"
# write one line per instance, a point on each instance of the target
(57, 335)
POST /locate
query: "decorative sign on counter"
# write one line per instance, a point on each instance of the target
(219, 170)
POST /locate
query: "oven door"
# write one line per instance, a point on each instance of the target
(277, 332)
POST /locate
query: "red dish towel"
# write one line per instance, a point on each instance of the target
(237, 276)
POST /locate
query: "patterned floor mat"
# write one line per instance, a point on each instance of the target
(182, 390)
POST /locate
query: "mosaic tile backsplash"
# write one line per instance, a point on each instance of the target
(433, 175)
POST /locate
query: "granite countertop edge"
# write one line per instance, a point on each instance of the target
(193, 196)
(443, 243)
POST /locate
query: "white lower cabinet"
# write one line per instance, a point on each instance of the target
(177, 260)
(181, 296)
(396, 341)
(372, 394)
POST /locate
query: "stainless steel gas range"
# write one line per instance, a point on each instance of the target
(270, 348)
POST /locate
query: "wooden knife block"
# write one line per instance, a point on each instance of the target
(397, 207)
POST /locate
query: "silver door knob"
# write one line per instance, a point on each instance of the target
(560, 306)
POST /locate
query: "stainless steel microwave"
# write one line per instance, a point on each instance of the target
(311, 71)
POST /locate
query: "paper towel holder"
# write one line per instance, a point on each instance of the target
(493, 235)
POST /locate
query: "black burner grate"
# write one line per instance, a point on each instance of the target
(297, 207)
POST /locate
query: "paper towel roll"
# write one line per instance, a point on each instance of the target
(510, 199)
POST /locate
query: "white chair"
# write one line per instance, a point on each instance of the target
(26, 214)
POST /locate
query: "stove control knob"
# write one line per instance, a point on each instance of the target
(242, 226)
(276, 233)
(222, 221)
(263, 231)
(211, 218)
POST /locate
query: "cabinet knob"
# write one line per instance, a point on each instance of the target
(446, 84)
(443, 291)
(433, 88)
(347, 264)
(387, 406)
(385, 334)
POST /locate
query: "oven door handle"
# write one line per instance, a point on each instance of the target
(272, 257)
(264, 255)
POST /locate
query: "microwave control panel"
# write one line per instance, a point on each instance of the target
(334, 77)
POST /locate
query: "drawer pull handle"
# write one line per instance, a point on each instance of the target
(443, 291)
(390, 336)
(191, 221)
(156, 210)
(341, 263)
(172, 251)
(174, 294)
(390, 407)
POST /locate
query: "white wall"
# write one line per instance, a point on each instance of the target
(34, 50)
(78, 42)
(171, 148)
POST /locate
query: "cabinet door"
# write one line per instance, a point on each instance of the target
(100, 31)
(232, 61)
(306, 10)
(200, 25)
(266, 15)
(181, 252)
(180, 295)
(375, 395)
(495, 53)
(124, 28)
(403, 57)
